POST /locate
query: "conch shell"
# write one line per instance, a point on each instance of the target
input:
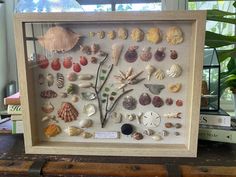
(59, 39)
(150, 70)
(116, 51)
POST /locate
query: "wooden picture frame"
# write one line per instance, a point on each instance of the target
(190, 51)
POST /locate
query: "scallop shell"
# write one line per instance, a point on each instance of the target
(174, 35)
(89, 109)
(67, 112)
(154, 35)
(60, 80)
(52, 130)
(131, 54)
(59, 39)
(50, 79)
(146, 54)
(116, 52)
(159, 74)
(174, 71)
(48, 94)
(122, 33)
(47, 107)
(73, 131)
(174, 88)
(85, 123)
(137, 35)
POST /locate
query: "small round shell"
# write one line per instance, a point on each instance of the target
(129, 103)
(101, 34)
(111, 34)
(122, 33)
(137, 136)
(72, 76)
(137, 35)
(85, 123)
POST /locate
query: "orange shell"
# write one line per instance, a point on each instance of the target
(52, 130)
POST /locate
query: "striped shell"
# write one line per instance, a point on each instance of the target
(67, 112)
(60, 80)
(159, 74)
(48, 94)
(174, 71)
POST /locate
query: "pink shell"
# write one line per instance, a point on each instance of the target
(48, 94)
(157, 101)
(131, 55)
(67, 112)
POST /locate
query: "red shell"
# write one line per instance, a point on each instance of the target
(83, 60)
(67, 62)
(55, 64)
(76, 67)
(173, 54)
(179, 103)
(157, 101)
(42, 61)
(48, 94)
(169, 101)
(144, 99)
(67, 112)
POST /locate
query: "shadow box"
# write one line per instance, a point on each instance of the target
(111, 84)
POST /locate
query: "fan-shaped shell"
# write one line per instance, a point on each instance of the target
(67, 112)
(59, 39)
(174, 71)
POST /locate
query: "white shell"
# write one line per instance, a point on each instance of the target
(85, 123)
(50, 79)
(47, 107)
(116, 52)
(160, 75)
(85, 77)
(164, 133)
(174, 71)
(73, 131)
(130, 117)
(74, 99)
(116, 117)
(148, 132)
(89, 109)
(156, 137)
(150, 70)
(85, 85)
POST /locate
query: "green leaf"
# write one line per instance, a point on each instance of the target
(231, 65)
(224, 54)
(218, 40)
(234, 4)
(218, 13)
(223, 19)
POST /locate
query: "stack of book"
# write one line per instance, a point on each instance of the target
(217, 126)
(14, 109)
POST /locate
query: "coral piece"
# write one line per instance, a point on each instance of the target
(122, 33)
(89, 109)
(59, 39)
(42, 61)
(159, 74)
(137, 136)
(150, 70)
(174, 88)
(85, 123)
(157, 101)
(72, 76)
(111, 35)
(144, 99)
(129, 103)
(131, 55)
(146, 54)
(47, 107)
(174, 35)
(173, 54)
(52, 130)
(60, 80)
(73, 131)
(95, 48)
(116, 52)
(67, 62)
(76, 67)
(155, 88)
(83, 60)
(174, 71)
(67, 112)
(41, 79)
(55, 64)
(169, 101)
(101, 34)
(48, 94)
(154, 35)
(137, 35)
(160, 54)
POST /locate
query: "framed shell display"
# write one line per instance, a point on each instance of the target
(123, 84)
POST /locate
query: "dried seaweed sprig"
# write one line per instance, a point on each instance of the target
(108, 110)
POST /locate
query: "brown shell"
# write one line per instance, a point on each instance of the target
(67, 112)
(59, 39)
(52, 130)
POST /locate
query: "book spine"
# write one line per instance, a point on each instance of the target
(14, 109)
(227, 136)
(218, 120)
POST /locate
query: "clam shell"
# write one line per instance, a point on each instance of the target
(47, 107)
(156, 137)
(122, 33)
(137, 35)
(88, 95)
(159, 74)
(89, 109)
(85, 77)
(174, 71)
(52, 130)
(174, 35)
(73, 131)
(85, 84)
(59, 39)
(85, 123)
(116, 117)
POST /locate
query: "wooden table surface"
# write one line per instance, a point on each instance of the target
(214, 159)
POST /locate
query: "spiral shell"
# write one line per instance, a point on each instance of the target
(60, 80)
(159, 74)
(174, 71)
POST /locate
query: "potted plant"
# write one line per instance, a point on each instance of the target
(219, 41)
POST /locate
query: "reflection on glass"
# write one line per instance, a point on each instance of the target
(139, 7)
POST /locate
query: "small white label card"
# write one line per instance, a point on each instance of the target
(106, 135)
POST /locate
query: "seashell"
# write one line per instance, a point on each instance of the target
(131, 55)
(74, 99)
(67, 112)
(47, 107)
(151, 119)
(63, 94)
(76, 67)
(52, 130)
(137, 35)
(148, 132)
(85, 84)
(72, 76)
(130, 117)
(154, 35)
(85, 77)
(73, 131)
(72, 89)
(127, 129)
(93, 60)
(156, 137)
(116, 52)
(122, 33)
(173, 115)
(174, 88)
(179, 103)
(174, 71)
(178, 125)
(86, 135)
(111, 34)
(169, 101)
(95, 48)
(42, 61)
(83, 60)
(101, 34)
(60, 80)
(86, 49)
(88, 95)
(146, 54)
(48, 94)
(116, 117)
(155, 88)
(137, 136)
(91, 34)
(85, 123)
(50, 79)
(176, 133)
(160, 54)
(144, 99)
(48, 117)
(174, 35)
(129, 103)
(59, 39)
(89, 109)
(159, 74)
(157, 101)
(67, 62)
(41, 79)
(173, 54)
(169, 125)
(55, 64)
(150, 70)
(164, 133)
(139, 117)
